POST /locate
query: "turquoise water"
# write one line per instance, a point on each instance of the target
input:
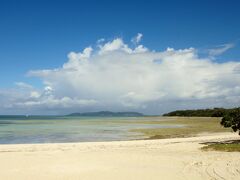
(53, 129)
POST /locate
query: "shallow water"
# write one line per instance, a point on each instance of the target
(53, 129)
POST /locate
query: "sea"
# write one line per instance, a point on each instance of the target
(64, 129)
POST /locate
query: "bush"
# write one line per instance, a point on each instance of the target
(232, 120)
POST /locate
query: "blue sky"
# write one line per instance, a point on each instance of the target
(37, 35)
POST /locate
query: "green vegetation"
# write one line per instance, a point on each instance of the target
(232, 120)
(228, 147)
(216, 112)
(191, 126)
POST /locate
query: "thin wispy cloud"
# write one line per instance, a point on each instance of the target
(136, 40)
(220, 49)
(23, 85)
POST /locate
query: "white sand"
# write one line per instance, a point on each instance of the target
(178, 158)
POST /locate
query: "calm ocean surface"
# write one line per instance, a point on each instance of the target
(53, 129)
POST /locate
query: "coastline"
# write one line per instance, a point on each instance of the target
(175, 158)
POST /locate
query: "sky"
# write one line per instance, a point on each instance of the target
(59, 57)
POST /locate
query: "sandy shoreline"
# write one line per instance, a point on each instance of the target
(178, 158)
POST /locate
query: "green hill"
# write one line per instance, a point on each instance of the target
(108, 114)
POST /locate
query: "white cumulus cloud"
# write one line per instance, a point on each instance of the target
(116, 77)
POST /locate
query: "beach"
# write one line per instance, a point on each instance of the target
(119, 90)
(176, 158)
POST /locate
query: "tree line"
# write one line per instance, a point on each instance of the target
(215, 112)
(230, 117)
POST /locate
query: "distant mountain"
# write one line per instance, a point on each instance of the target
(108, 114)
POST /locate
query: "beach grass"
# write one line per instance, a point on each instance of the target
(191, 126)
(227, 147)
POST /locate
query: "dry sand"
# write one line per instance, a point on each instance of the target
(179, 158)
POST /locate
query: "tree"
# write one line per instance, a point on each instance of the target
(218, 112)
(232, 119)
